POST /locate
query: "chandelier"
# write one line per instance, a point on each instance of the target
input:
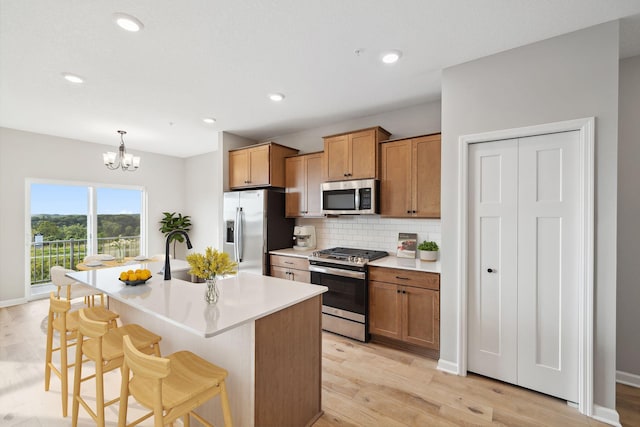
(127, 162)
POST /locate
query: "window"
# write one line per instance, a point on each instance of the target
(70, 221)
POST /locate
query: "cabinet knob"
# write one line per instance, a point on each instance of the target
(398, 291)
(413, 211)
(408, 212)
(490, 270)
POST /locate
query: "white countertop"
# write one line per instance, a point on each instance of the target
(293, 252)
(243, 298)
(390, 261)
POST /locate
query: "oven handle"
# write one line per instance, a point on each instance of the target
(338, 272)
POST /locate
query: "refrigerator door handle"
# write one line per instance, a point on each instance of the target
(238, 238)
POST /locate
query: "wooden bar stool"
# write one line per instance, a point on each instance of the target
(171, 387)
(65, 322)
(104, 348)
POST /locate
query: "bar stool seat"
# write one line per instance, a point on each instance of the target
(171, 386)
(104, 348)
(65, 322)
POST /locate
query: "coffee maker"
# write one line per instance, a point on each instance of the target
(304, 237)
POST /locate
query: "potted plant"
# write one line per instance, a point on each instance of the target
(171, 222)
(428, 251)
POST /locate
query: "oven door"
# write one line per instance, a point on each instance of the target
(347, 294)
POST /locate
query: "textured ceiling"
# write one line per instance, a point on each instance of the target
(214, 58)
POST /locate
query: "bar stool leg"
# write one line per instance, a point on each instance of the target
(76, 381)
(100, 393)
(64, 372)
(226, 410)
(47, 366)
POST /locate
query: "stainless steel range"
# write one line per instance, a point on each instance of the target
(345, 305)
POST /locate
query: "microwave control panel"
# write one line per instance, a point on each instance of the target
(365, 198)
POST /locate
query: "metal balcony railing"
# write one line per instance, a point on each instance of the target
(68, 253)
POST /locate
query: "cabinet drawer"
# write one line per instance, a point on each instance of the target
(405, 277)
(290, 262)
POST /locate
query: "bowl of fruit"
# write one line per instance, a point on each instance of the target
(137, 277)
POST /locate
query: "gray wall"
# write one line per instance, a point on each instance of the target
(29, 155)
(202, 197)
(412, 121)
(566, 77)
(628, 333)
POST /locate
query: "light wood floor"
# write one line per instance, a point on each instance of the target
(363, 385)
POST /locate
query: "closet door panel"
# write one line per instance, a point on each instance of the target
(548, 264)
(492, 281)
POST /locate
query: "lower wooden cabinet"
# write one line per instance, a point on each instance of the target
(290, 268)
(404, 306)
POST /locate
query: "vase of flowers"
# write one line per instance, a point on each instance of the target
(120, 246)
(209, 266)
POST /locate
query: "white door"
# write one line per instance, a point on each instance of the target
(493, 274)
(523, 226)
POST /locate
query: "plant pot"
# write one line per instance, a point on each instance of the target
(428, 255)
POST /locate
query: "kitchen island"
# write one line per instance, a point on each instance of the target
(265, 331)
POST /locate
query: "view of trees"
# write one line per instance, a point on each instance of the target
(65, 227)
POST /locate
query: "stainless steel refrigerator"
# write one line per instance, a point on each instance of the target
(254, 224)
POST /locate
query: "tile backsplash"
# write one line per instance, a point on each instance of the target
(370, 231)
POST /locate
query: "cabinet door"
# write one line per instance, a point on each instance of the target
(395, 179)
(336, 156)
(280, 272)
(421, 317)
(295, 183)
(426, 184)
(259, 165)
(314, 179)
(363, 154)
(238, 168)
(385, 304)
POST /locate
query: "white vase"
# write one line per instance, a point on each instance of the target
(428, 255)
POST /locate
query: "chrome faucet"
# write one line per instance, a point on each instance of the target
(167, 267)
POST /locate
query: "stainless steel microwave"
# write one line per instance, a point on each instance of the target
(350, 197)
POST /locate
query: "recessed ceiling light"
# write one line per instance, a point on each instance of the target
(127, 22)
(277, 97)
(73, 78)
(209, 120)
(391, 57)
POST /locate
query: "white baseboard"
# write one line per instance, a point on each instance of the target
(10, 302)
(606, 415)
(628, 379)
(447, 366)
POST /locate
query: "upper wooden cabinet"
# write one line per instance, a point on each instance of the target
(410, 177)
(353, 155)
(258, 165)
(303, 178)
